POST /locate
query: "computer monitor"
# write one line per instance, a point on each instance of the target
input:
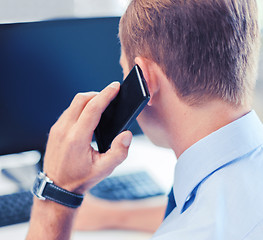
(43, 65)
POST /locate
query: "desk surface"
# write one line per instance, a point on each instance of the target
(158, 162)
(19, 232)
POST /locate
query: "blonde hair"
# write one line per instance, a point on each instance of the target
(207, 48)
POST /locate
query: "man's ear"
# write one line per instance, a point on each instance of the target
(150, 73)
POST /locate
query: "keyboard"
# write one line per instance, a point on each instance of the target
(134, 186)
(16, 207)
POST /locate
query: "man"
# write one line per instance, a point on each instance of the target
(199, 61)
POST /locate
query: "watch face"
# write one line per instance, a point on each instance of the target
(39, 186)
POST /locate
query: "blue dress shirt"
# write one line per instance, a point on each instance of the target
(218, 186)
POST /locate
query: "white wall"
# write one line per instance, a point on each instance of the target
(35, 10)
(84, 8)
(260, 6)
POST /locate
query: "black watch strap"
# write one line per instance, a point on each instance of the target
(44, 188)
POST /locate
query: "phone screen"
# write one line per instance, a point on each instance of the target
(123, 110)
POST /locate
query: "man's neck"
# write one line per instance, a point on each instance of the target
(191, 124)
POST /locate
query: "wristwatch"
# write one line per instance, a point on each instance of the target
(44, 188)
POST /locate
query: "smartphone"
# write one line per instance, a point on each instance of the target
(123, 110)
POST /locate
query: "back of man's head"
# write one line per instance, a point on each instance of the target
(207, 48)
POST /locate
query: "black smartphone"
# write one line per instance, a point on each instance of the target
(123, 110)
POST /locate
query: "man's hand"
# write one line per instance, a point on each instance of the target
(70, 161)
(73, 164)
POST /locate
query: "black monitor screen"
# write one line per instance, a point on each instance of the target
(43, 65)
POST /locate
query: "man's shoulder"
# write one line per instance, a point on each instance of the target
(239, 180)
(241, 174)
(233, 194)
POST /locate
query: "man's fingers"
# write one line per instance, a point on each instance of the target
(91, 114)
(77, 105)
(118, 151)
(104, 164)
